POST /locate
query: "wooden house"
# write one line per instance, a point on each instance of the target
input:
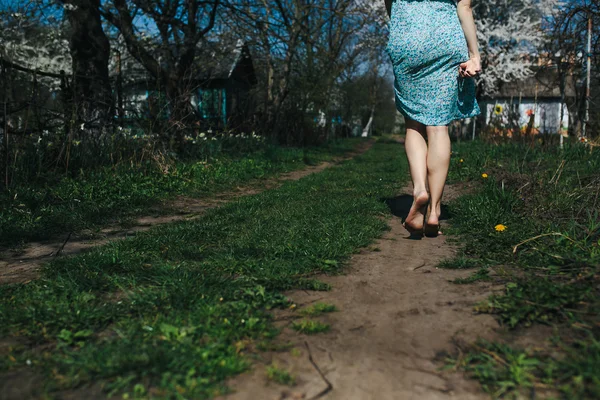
(220, 90)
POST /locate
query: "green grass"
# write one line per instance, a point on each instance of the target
(501, 370)
(91, 198)
(318, 309)
(280, 375)
(310, 327)
(508, 372)
(168, 311)
(548, 257)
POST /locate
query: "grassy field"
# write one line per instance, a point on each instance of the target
(532, 223)
(56, 203)
(172, 312)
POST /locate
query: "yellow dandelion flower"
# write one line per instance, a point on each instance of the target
(484, 175)
(500, 228)
(498, 109)
(461, 160)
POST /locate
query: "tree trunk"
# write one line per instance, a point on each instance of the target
(367, 131)
(180, 110)
(90, 52)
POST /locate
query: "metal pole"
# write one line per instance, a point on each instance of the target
(588, 77)
(474, 123)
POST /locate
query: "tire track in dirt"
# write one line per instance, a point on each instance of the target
(397, 316)
(22, 264)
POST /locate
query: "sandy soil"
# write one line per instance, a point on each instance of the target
(398, 315)
(23, 264)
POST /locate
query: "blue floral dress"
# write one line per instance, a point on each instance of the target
(426, 46)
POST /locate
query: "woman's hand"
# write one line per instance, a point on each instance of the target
(470, 68)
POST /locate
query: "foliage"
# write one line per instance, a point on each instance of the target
(308, 55)
(546, 252)
(506, 31)
(507, 372)
(566, 50)
(302, 94)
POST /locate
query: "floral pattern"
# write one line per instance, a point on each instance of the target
(426, 47)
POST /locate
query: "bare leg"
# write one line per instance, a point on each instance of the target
(416, 151)
(438, 162)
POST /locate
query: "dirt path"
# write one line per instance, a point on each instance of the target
(398, 315)
(23, 264)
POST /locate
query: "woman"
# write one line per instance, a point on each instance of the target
(434, 52)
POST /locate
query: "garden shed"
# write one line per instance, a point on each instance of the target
(539, 95)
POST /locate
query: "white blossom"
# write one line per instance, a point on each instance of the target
(509, 34)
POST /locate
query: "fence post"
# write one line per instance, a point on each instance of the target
(120, 110)
(5, 82)
(65, 100)
(586, 118)
(36, 102)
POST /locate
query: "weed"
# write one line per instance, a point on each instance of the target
(501, 370)
(318, 309)
(310, 327)
(295, 352)
(482, 274)
(280, 375)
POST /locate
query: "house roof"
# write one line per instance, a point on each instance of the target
(218, 61)
(545, 83)
(215, 60)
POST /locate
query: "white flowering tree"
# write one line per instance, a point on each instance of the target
(33, 52)
(510, 32)
(48, 37)
(25, 41)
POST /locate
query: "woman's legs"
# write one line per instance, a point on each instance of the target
(416, 151)
(438, 162)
